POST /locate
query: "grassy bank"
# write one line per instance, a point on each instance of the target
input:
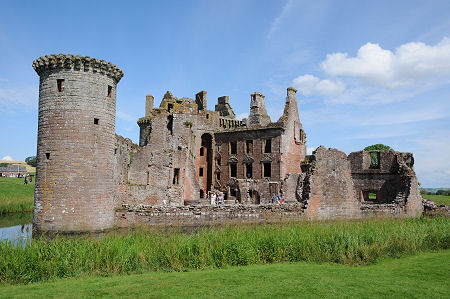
(353, 242)
(13, 219)
(439, 199)
(15, 196)
(421, 276)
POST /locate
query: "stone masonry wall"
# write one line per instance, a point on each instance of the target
(128, 215)
(328, 187)
(76, 124)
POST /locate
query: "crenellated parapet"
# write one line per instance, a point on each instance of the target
(69, 61)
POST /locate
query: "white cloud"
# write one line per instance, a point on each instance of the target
(432, 160)
(124, 116)
(285, 12)
(310, 85)
(409, 64)
(242, 116)
(379, 76)
(309, 150)
(19, 97)
(7, 158)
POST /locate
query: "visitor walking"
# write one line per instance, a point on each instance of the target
(25, 182)
(213, 198)
(274, 198)
(220, 200)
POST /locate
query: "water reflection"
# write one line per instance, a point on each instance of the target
(18, 235)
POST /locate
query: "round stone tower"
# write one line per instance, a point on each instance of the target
(76, 141)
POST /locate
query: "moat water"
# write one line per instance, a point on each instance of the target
(16, 228)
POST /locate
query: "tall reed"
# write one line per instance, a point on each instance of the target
(346, 242)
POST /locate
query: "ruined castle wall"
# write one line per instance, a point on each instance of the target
(328, 186)
(290, 186)
(393, 181)
(76, 124)
(207, 215)
(256, 157)
(123, 152)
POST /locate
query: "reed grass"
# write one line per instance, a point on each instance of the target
(344, 242)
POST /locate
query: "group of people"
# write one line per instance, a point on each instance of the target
(26, 179)
(277, 199)
(216, 198)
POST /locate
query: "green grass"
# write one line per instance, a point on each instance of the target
(439, 199)
(15, 196)
(421, 276)
(13, 219)
(344, 242)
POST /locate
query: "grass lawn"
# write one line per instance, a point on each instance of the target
(15, 196)
(439, 199)
(420, 276)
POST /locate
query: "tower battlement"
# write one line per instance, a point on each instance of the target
(69, 61)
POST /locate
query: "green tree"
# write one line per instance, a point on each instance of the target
(32, 161)
(3, 164)
(379, 147)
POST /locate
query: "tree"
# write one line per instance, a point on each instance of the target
(32, 161)
(379, 147)
(4, 164)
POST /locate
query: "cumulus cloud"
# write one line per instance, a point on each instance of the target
(7, 158)
(310, 85)
(409, 64)
(379, 76)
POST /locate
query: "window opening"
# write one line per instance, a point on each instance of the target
(202, 151)
(201, 193)
(267, 170)
(200, 171)
(249, 171)
(233, 192)
(233, 147)
(115, 151)
(60, 84)
(176, 173)
(233, 170)
(109, 91)
(374, 160)
(207, 115)
(47, 155)
(219, 161)
(170, 124)
(95, 121)
(268, 146)
(218, 176)
(148, 177)
(249, 146)
(370, 196)
(169, 107)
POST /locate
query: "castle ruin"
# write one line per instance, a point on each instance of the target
(90, 179)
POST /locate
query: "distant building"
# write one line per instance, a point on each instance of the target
(13, 171)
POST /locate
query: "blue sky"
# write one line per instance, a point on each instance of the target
(367, 71)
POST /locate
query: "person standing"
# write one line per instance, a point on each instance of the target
(220, 200)
(213, 198)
